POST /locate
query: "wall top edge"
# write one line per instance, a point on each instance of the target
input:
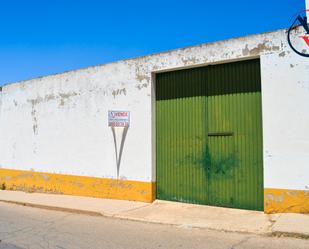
(263, 35)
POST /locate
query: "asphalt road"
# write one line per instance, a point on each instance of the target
(25, 227)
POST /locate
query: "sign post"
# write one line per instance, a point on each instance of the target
(119, 121)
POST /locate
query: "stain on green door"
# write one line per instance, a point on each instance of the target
(209, 135)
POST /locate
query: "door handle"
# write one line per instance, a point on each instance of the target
(220, 134)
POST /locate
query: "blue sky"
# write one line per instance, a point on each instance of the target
(38, 38)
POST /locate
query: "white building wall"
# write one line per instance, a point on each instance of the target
(285, 91)
(58, 124)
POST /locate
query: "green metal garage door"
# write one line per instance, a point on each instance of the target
(209, 135)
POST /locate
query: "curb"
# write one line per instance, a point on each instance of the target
(54, 208)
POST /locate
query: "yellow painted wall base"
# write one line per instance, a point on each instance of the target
(286, 201)
(76, 185)
(275, 200)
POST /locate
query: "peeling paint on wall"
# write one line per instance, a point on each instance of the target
(46, 98)
(49, 97)
(282, 54)
(286, 201)
(260, 48)
(34, 118)
(117, 92)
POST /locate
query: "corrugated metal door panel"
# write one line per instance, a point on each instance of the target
(234, 114)
(236, 178)
(209, 135)
(180, 171)
(221, 150)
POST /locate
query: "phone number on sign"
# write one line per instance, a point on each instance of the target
(120, 124)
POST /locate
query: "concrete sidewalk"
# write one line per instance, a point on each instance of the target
(172, 213)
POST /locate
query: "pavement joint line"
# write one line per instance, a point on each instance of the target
(133, 209)
(271, 223)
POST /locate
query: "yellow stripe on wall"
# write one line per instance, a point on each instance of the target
(29, 181)
(286, 201)
(275, 200)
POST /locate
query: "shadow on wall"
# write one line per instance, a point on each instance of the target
(119, 144)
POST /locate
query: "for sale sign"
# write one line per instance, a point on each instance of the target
(118, 118)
